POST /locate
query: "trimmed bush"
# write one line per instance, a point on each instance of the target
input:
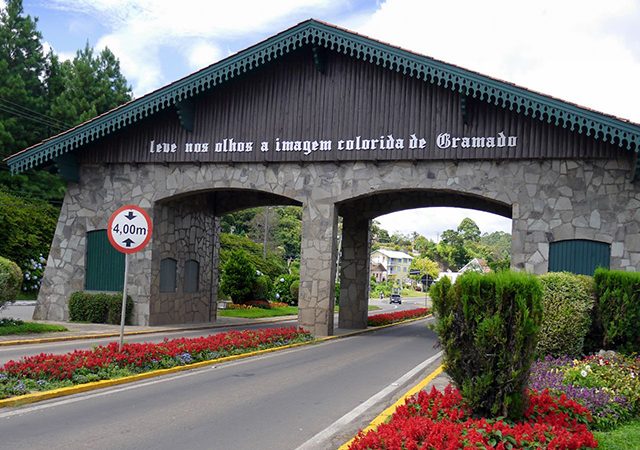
(488, 326)
(98, 308)
(238, 278)
(567, 302)
(262, 288)
(10, 280)
(616, 312)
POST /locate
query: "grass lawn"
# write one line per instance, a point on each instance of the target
(623, 438)
(257, 313)
(29, 327)
(412, 293)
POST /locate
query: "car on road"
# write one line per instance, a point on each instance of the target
(395, 298)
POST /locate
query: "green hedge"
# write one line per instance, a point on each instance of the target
(488, 326)
(567, 302)
(616, 318)
(98, 308)
(10, 280)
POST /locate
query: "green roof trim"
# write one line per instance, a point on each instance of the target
(311, 32)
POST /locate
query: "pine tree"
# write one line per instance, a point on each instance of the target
(22, 66)
(87, 86)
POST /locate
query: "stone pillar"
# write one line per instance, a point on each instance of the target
(354, 273)
(215, 272)
(183, 231)
(317, 268)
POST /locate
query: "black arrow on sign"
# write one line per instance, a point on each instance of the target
(128, 242)
(130, 216)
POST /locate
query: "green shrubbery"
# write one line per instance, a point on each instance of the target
(27, 228)
(238, 278)
(262, 288)
(488, 326)
(567, 302)
(616, 315)
(98, 308)
(282, 289)
(10, 280)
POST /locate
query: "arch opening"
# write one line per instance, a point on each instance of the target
(362, 256)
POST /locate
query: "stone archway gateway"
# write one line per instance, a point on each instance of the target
(343, 125)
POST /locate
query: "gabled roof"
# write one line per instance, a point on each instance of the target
(393, 254)
(378, 267)
(617, 131)
(476, 265)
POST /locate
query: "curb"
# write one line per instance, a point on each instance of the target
(387, 413)
(71, 390)
(130, 333)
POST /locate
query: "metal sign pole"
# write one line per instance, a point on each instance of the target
(124, 300)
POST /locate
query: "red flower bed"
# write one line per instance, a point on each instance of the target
(387, 318)
(147, 356)
(441, 421)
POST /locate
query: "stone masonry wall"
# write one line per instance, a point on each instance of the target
(550, 200)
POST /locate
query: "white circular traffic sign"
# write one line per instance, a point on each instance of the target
(129, 229)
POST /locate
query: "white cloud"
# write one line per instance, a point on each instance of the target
(203, 54)
(570, 49)
(140, 29)
(431, 222)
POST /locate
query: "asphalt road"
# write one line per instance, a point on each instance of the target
(16, 352)
(276, 401)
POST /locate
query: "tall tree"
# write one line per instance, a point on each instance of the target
(22, 93)
(86, 86)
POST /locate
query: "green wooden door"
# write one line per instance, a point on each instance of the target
(104, 264)
(578, 256)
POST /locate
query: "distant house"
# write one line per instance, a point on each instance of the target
(378, 271)
(396, 263)
(476, 265)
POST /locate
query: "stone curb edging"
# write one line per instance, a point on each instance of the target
(71, 390)
(131, 333)
(384, 415)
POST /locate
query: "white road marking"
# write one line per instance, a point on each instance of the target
(323, 437)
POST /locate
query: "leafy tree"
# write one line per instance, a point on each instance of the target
(272, 266)
(238, 222)
(288, 231)
(27, 227)
(238, 278)
(426, 267)
(468, 231)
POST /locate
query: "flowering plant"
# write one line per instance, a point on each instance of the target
(387, 318)
(442, 421)
(32, 272)
(46, 371)
(604, 385)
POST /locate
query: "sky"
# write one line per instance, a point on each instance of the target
(583, 51)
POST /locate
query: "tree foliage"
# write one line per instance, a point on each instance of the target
(86, 86)
(426, 267)
(238, 277)
(22, 92)
(27, 227)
